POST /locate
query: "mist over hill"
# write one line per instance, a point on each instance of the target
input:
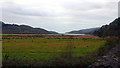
(113, 29)
(84, 31)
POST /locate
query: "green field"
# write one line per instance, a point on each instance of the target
(41, 49)
(48, 48)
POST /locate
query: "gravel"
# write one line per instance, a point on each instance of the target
(110, 60)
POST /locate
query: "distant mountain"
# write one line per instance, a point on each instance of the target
(53, 32)
(22, 29)
(113, 29)
(84, 31)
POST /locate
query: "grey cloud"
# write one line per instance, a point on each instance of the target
(76, 15)
(119, 9)
(20, 10)
(82, 6)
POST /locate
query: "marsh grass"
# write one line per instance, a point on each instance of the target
(50, 52)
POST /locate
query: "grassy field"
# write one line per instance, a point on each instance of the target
(41, 49)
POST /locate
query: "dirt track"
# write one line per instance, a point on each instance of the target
(110, 60)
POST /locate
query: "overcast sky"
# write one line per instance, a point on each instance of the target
(59, 15)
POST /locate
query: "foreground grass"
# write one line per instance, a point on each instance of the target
(43, 51)
(48, 48)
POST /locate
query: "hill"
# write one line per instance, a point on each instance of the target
(113, 29)
(22, 29)
(53, 32)
(84, 31)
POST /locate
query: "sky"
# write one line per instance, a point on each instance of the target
(59, 15)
